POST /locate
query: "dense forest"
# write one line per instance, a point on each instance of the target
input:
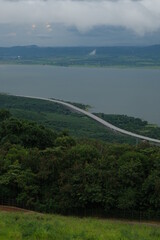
(51, 171)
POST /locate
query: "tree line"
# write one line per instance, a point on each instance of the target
(51, 171)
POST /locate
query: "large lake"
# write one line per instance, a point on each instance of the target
(135, 92)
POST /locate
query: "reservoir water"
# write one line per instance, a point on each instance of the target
(135, 92)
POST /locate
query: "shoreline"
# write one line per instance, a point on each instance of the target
(148, 67)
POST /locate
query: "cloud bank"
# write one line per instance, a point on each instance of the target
(141, 16)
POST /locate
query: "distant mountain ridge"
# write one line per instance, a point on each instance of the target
(68, 56)
(36, 51)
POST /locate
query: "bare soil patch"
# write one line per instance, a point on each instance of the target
(12, 209)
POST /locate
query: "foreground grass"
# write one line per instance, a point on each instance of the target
(37, 226)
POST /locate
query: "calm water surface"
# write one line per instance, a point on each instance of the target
(135, 92)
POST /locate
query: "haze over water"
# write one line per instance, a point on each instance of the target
(135, 92)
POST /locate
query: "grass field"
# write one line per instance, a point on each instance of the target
(18, 225)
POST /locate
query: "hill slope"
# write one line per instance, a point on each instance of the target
(59, 118)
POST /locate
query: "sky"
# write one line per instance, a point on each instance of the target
(79, 22)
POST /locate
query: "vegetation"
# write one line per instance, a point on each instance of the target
(132, 124)
(80, 56)
(59, 118)
(53, 172)
(37, 226)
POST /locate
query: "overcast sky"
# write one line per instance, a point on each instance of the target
(79, 22)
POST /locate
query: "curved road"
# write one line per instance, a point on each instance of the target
(101, 121)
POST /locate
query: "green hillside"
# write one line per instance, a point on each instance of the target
(59, 118)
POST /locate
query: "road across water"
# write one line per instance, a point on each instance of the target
(97, 119)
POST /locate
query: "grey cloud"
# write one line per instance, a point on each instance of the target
(44, 36)
(140, 16)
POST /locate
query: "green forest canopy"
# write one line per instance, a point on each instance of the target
(53, 172)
